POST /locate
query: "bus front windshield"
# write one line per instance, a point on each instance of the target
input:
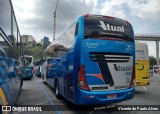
(28, 61)
(108, 29)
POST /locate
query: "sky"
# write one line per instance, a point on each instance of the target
(35, 17)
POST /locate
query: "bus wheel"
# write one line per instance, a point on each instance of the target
(21, 83)
(57, 90)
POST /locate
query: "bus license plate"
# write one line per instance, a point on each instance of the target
(112, 96)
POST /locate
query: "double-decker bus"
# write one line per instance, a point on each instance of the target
(95, 58)
(10, 55)
(142, 64)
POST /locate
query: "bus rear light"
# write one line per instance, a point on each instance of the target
(86, 15)
(82, 78)
(133, 80)
(130, 93)
(88, 96)
(33, 70)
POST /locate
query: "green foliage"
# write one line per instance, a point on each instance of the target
(36, 51)
(152, 61)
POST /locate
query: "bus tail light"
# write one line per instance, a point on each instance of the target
(133, 80)
(33, 70)
(82, 78)
(86, 15)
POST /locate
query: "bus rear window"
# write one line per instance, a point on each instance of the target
(108, 28)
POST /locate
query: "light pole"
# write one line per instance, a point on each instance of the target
(54, 22)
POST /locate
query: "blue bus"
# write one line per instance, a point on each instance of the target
(11, 61)
(96, 61)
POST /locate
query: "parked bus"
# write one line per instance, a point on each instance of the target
(37, 68)
(47, 69)
(142, 64)
(28, 68)
(10, 56)
(95, 61)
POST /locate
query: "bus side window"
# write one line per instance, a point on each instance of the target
(76, 31)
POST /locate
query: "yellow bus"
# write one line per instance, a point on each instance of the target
(142, 64)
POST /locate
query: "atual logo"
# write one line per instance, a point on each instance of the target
(109, 27)
(122, 68)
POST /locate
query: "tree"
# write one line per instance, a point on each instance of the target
(152, 61)
(39, 45)
(36, 51)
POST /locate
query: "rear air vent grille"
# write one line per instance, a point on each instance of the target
(109, 57)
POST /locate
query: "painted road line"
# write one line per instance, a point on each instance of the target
(48, 97)
(43, 102)
(145, 88)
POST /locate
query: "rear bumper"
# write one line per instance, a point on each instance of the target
(38, 74)
(27, 76)
(98, 98)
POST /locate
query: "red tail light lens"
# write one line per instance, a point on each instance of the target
(86, 15)
(133, 80)
(32, 70)
(82, 78)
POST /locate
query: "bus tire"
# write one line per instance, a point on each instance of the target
(57, 90)
(21, 83)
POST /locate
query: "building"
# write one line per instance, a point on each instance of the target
(44, 41)
(28, 40)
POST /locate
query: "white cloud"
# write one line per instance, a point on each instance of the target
(25, 9)
(36, 16)
(144, 9)
(113, 8)
(148, 9)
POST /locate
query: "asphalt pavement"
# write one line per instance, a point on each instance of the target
(35, 92)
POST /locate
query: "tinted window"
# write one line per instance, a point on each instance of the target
(14, 40)
(64, 43)
(76, 31)
(50, 61)
(108, 28)
(5, 16)
(55, 50)
(6, 50)
(59, 52)
(67, 38)
(28, 61)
